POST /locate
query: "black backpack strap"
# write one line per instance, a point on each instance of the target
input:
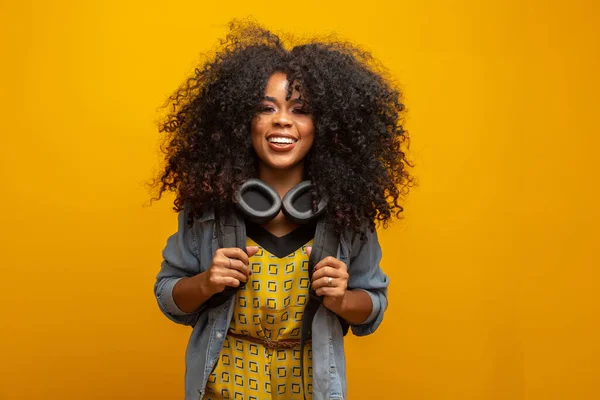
(325, 244)
(230, 232)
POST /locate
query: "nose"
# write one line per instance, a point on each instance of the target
(282, 118)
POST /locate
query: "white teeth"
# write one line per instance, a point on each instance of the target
(281, 140)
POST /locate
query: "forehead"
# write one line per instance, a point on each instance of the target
(277, 86)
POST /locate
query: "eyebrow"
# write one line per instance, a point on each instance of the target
(274, 100)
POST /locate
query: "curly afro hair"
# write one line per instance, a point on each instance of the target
(358, 157)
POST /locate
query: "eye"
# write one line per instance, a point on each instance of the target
(265, 108)
(301, 110)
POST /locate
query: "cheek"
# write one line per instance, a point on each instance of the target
(307, 144)
(308, 134)
(306, 129)
(256, 129)
(258, 125)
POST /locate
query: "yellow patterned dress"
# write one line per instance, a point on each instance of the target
(269, 307)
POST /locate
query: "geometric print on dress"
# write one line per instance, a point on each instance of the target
(270, 306)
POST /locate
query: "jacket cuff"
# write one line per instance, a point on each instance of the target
(166, 301)
(376, 307)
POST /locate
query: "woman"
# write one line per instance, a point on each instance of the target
(318, 112)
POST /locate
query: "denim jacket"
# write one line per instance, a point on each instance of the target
(190, 250)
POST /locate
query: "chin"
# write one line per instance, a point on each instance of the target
(281, 165)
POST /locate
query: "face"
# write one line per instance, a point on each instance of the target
(282, 130)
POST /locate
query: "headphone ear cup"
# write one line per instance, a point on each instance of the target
(257, 201)
(297, 204)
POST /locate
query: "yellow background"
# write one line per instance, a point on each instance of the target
(494, 290)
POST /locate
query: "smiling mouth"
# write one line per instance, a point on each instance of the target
(281, 140)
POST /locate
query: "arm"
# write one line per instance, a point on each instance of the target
(179, 281)
(366, 276)
(359, 297)
(356, 306)
(181, 289)
(189, 293)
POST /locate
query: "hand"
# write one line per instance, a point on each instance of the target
(229, 267)
(333, 294)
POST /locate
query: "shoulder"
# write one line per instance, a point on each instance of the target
(191, 224)
(358, 238)
(189, 216)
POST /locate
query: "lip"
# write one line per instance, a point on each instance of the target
(281, 148)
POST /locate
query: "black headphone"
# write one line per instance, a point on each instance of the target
(260, 203)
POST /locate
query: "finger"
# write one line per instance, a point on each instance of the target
(319, 283)
(235, 252)
(329, 291)
(324, 283)
(235, 264)
(234, 273)
(330, 262)
(251, 250)
(308, 250)
(229, 281)
(327, 272)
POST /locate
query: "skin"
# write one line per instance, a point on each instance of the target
(282, 170)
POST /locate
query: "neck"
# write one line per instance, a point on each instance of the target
(281, 180)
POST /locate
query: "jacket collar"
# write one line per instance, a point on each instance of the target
(207, 215)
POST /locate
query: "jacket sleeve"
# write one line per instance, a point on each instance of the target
(178, 262)
(366, 274)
